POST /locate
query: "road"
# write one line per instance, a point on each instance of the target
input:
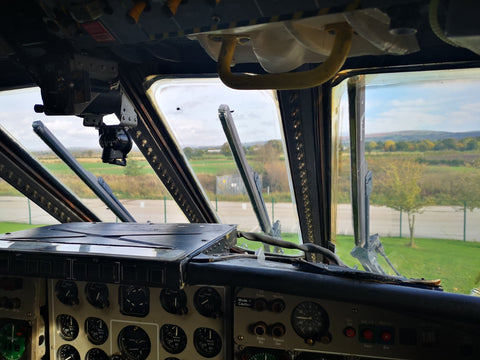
(434, 222)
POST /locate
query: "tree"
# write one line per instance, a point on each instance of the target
(188, 151)
(402, 178)
(372, 145)
(471, 144)
(401, 146)
(466, 190)
(133, 168)
(225, 149)
(389, 145)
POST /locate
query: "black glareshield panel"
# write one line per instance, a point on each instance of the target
(150, 254)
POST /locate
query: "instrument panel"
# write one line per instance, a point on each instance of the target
(79, 320)
(276, 326)
(97, 321)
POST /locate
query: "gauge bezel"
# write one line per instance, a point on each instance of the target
(60, 322)
(166, 331)
(131, 332)
(208, 302)
(100, 302)
(88, 330)
(314, 322)
(199, 338)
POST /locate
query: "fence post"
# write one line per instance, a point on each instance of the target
(165, 208)
(400, 223)
(29, 213)
(216, 203)
(273, 211)
(464, 221)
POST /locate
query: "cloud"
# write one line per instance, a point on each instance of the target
(193, 113)
(439, 106)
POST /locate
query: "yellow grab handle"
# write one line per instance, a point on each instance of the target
(291, 80)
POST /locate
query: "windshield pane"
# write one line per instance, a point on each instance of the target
(136, 185)
(190, 107)
(422, 144)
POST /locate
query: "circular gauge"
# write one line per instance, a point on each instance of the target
(134, 343)
(174, 301)
(67, 292)
(67, 327)
(173, 338)
(97, 295)
(207, 342)
(67, 352)
(208, 302)
(134, 300)
(12, 341)
(97, 330)
(309, 320)
(96, 354)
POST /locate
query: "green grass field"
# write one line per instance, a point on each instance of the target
(6, 227)
(456, 263)
(214, 166)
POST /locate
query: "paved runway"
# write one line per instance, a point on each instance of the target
(435, 222)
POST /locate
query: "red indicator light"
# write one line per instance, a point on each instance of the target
(367, 334)
(349, 332)
(386, 336)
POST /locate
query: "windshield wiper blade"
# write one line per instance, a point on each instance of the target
(98, 185)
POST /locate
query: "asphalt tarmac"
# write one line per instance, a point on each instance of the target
(440, 222)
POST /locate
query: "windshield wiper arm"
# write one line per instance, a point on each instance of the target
(98, 185)
(249, 177)
(28, 176)
(366, 246)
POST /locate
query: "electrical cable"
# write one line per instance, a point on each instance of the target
(306, 247)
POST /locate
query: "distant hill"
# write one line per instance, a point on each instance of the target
(417, 135)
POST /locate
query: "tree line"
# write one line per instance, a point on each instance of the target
(465, 144)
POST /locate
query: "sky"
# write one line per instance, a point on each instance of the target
(191, 108)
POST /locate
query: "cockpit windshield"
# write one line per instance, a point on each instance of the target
(412, 139)
(191, 109)
(420, 146)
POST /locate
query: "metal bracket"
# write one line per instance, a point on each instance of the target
(128, 116)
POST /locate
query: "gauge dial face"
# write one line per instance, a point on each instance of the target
(134, 300)
(96, 354)
(67, 352)
(173, 338)
(208, 302)
(67, 292)
(207, 342)
(134, 343)
(97, 330)
(12, 341)
(309, 320)
(67, 327)
(174, 301)
(97, 295)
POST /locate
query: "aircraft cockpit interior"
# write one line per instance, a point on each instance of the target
(239, 180)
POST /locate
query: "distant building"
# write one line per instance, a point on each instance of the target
(231, 185)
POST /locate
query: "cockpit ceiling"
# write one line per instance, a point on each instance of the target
(175, 36)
